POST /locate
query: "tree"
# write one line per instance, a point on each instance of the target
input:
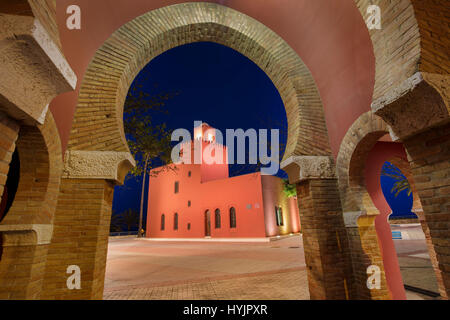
(289, 189)
(116, 222)
(401, 183)
(149, 143)
(130, 218)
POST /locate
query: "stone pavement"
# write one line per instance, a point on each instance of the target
(140, 269)
(415, 265)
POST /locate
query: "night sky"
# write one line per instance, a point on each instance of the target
(217, 85)
(220, 86)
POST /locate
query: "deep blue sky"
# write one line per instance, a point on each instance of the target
(402, 204)
(217, 85)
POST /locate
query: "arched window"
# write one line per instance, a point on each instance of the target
(279, 216)
(163, 222)
(217, 218)
(175, 221)
(232, 217)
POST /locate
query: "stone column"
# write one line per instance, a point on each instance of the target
(324, 235)
(23, 260)
(33, 71)
(365, 255)
(82, 221)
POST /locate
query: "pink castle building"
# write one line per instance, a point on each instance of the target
(201, 200)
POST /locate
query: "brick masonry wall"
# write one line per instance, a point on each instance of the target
(396, 45)
(434, 24)
(21, 266)
(429, 154)
(9, 131)
(365, 252)
(40, 172)
(350, 166)
(325, 240)
(24, 252)
(80, 237)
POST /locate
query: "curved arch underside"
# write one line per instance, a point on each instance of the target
(98, 119)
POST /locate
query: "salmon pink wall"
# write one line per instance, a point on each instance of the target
(330, 36)
(273, 196)
(223, 194)
(382, 152)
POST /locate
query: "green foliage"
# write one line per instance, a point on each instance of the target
(116, 223)
(128, 219)
(147, 141)
(289, 189)
(401, 183)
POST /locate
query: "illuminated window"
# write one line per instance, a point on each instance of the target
(177, 186)
(279, 216)
(175, 221)
(217, 218)
(163, 222)
(232, 217)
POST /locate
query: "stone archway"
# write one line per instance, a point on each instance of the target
(27, 228)
(97, 146)
(414, 100)
(358, 209)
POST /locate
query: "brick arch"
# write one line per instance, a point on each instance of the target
(27, 228)
(40, 157)
(358, 208)
(413, 37)
(98, 123)
(350, 163)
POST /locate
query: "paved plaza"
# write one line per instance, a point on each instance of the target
(142, 269)
(169, 270)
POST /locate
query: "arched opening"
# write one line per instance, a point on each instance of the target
(11, 185)
(232, 217)
(163, 222)
(415, 252)
(217, 219)
(175, 221)
(363, 197)
(207, 223)
(202, 22)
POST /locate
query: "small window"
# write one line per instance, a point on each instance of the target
(189, 203)
(177, 186)
(249, 206)
(175, 221)
(232, 217)
(217, 219)
(279, 216)
(189, 174)
(163, 222)
(189, 226)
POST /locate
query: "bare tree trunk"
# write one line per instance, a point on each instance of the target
(141, 211)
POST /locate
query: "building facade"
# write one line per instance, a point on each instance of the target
(201, 200)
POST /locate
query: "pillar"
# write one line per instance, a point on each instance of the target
(82, 222)
(324, 235)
